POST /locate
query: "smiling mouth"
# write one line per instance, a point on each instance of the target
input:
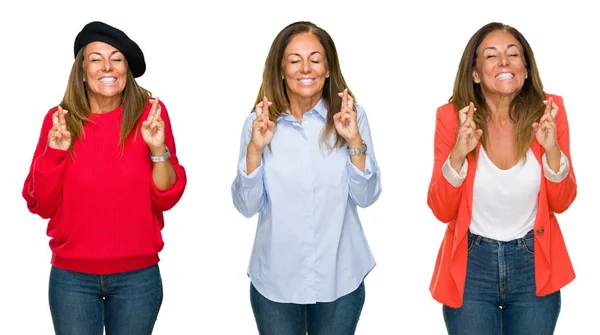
(107, 80)
(505, 76)
(306, 81)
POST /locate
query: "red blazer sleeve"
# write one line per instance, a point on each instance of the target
(42, 189)
(562, 194)
(163, 200)
(443, 198)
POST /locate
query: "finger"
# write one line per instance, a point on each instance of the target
(344, 98)
(350, 101)
(471, 111)
(157, 115)
(554, 110)
(535, 126)
(55, 118)
(265, 107)
(336, 117)
(548, 104)
(478, 133)
(462, 114)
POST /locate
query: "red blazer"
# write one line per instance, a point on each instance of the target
(553, 268)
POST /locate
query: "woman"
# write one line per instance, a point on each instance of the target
(502, 169)
(104, 170)
(306, 162)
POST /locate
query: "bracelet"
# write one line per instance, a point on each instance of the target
(161, 158)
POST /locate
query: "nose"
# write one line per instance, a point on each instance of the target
(503, 60)
(107, 65)
(306, 67)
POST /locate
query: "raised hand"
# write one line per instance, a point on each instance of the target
(263, 128)
(345, 121)
(468, 135)
(58, 136)
(467, 138)
(153, 130)
(545, 130)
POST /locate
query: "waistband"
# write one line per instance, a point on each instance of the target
(479, 238)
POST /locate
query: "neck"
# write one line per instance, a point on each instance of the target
(299, 106)
(499, 107)
(101, 105)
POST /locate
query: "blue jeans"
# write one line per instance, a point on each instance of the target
(338, 317)
(500, 292)
(124, 303)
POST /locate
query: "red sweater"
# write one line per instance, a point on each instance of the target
(105, 211)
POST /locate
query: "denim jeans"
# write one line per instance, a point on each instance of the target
(500, 292)
(338, 317)
(124, 303)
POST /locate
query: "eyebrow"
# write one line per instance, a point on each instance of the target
(99, 54)
(297, 54)
(508, 47)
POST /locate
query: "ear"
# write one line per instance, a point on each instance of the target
(476, 79)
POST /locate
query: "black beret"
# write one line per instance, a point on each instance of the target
(99, 31)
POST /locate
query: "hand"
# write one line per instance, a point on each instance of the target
(468, 134)
(545, 130)
(58, 136)
(345, 121)
(153, 130)
(263, 128)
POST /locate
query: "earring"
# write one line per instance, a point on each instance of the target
(526, 75)
(476, 81)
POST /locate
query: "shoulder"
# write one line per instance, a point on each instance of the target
(446, 118)
(48, 116)
(447, 112)
(360, 112)
(557, 100)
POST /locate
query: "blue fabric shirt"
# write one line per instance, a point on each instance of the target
(309, 245)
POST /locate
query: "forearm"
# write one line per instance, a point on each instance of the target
(553, 158)
(253, 159)
(163, 174)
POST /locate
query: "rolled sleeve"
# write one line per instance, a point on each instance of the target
(563, 171)
(454, 178)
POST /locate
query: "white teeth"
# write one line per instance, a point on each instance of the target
(504, 75)
(108, 80)
(306, 80)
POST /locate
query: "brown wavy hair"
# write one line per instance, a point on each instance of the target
(526, 108)
(133, 98)
(273, 87)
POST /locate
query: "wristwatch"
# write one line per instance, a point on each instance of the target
(359, 150)
(161, 158)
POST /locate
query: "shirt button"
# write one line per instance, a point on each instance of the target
(539, 231)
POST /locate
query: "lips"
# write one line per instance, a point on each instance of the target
(505, 76)
(306, 81)
(107, 80)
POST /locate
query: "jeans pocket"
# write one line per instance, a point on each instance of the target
(528, 245)
(471, 242)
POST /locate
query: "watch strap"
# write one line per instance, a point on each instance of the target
(161, 158)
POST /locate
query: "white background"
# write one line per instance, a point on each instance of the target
(205, 63)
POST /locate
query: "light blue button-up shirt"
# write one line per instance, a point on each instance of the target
(309, 245)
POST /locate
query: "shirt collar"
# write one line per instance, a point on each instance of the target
(320, 108)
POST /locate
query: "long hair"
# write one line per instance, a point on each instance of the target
(526, 108)
(134, 99)
(274, 88)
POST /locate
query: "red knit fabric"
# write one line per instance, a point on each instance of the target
(105, 211)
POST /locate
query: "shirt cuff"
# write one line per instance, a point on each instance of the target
(356, 175)
(563, 171)
(455, 179)
(253, 179)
